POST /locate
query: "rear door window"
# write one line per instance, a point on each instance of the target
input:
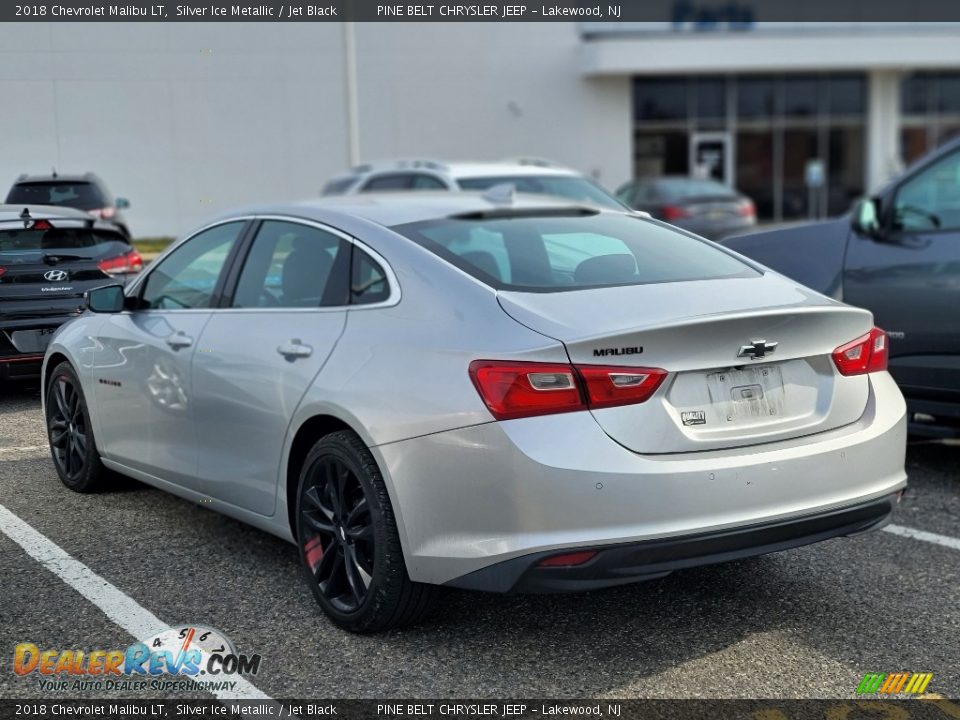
(292, 265)
(393, 181)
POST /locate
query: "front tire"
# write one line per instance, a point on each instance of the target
(70, 433)
(349, 544)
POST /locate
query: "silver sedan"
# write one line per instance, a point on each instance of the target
(480, 391)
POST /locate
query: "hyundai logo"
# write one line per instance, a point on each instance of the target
(757, 349)
(55, 275)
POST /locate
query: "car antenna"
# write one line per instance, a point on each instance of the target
(502, 194)
(53, 171)
(25, 216)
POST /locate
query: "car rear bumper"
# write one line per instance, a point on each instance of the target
(632, 562)
(480, 496)
(25, 361)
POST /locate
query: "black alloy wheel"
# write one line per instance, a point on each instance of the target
(349, 544)
(70, 433)
(338, 527)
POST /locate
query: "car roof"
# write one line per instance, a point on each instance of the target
(59, 177)
(46, 212)
(398, 208)
(459, 169)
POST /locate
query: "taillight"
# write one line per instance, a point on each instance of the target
(568, 559)
(129, 262)
(866, 354)
(3, 271)
(612, 386)
(674, 212)
(525, 389)
(746, 208)
(104, 213)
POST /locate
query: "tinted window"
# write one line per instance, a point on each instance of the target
(394, 181)
(427, 182)
(756, 97)
(80, 195)
(800, 96)
(291, 265)
(20, 245)
(186, 278)
(567, 186)
(931, 200)
(369, 281)
(554, 253)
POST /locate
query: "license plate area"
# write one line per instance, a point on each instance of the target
(32, 341)
(747, 395)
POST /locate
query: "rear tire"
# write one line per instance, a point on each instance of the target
(70, 433)
(349, 544)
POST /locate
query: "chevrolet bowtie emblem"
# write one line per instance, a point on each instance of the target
(757, 349)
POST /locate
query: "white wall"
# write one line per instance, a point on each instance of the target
(189, 119)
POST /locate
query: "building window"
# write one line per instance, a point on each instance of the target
(930, 112)
(774, 126)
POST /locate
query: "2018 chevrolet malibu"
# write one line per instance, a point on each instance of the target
(481, 391)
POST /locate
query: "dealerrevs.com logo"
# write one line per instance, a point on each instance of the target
(184, 657)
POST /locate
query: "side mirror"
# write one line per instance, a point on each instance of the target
(122, 203)
(866, 218)
(106, 299)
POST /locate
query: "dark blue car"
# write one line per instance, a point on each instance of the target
(897, 254)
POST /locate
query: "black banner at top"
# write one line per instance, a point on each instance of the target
(648, 15)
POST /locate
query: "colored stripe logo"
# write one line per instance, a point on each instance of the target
(894, 683)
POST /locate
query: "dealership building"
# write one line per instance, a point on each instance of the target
(187, 119)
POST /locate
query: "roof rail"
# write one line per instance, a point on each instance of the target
(533, 161)
(401, 164)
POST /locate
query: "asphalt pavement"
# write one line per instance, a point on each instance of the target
(807, 623)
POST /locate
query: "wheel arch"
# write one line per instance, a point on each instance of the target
(310, 431)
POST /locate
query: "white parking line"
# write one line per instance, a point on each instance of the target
(24, 448)
(945, 540)
(120, 608)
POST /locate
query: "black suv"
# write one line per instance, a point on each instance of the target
(84, 192)
(49, 256)
(896, 254)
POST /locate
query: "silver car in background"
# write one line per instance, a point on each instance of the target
(486, 392)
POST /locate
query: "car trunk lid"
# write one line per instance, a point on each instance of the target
(705, 333)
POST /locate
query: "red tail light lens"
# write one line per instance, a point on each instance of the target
(130, 262)
(674, 212)
(568, 559)
(525, 389)
(612, 386)
(3, 271)
(746, 208)
(866, 354)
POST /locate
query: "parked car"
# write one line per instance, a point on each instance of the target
(705, 207)
(49, 256)
(450, 389)
(84, 192)
(539, 177)
(898, 255)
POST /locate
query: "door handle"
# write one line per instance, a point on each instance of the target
(179, 340)
(295, 349)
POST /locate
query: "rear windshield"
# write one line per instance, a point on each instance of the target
(690, 187)
(566, 186)
(28, 246)
(551, 253)
(80, 195)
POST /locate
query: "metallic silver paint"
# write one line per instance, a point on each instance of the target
(468, 491)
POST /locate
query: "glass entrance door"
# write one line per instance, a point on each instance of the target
(711, 156)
